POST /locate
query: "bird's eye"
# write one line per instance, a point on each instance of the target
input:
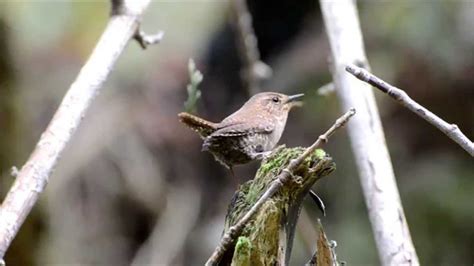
(276, 99)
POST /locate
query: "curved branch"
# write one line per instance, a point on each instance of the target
(33, 176)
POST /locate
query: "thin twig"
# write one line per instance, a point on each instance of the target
(389, 226)
(283, 178)
(145, 40)
(33, 176)
(255, 70)
(451, 130)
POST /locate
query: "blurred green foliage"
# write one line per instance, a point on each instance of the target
(195, 77)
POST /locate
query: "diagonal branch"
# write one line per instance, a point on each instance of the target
(33, 176)
(451, 130)
(283, 178)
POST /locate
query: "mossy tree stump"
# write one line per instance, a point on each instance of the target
(268, 238)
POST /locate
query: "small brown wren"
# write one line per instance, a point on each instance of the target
(249, 133)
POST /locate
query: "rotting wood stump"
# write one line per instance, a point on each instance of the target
(268, 238)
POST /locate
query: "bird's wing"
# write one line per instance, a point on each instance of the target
(242, 129)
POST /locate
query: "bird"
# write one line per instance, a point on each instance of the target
(248, 134)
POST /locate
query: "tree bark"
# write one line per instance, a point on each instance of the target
(268, 238)
(386, 215)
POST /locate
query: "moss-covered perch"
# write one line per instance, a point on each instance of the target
(267, 239)
(284, 179)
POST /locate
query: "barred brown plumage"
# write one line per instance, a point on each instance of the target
(248, 133)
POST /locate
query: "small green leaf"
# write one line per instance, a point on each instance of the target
(191, 67)
(194, 94)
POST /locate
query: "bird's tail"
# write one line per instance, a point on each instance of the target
(203, 127)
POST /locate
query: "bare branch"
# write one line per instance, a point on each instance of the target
(145, 40)
(255, 70)
(386, 215)
(33, 176)
(283, 178)
(451, 130)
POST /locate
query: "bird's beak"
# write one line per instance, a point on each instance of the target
(294, 98)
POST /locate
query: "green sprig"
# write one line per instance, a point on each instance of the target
(195, 78)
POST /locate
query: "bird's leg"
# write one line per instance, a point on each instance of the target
(261, 155)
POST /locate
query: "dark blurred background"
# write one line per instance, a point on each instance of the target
(133, 186)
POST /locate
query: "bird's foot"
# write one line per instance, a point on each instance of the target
(262, 155)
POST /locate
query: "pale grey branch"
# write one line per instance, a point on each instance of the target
(389, 226)
(451, 130)
(34, 175)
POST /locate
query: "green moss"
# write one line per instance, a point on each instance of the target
(260, 237)
(281, 158)
(251, 191)
(242, 252)
(319, 153)
(265, 230)
(278, 159)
